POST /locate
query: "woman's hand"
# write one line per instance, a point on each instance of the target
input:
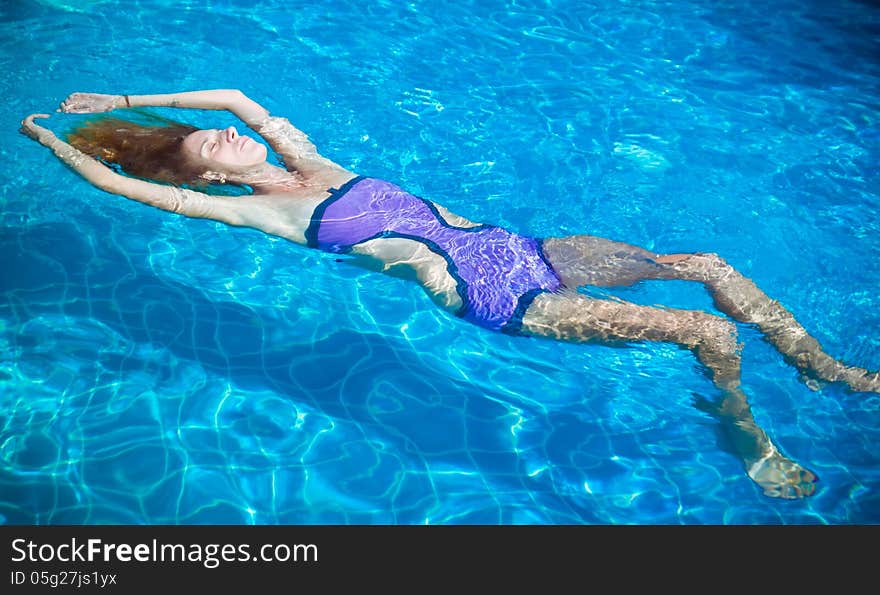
(90, 103)
(44, 136)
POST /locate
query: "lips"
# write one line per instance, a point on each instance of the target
(243, 142)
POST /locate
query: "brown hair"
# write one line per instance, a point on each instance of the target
(151, 151)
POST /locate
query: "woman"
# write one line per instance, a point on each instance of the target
(487, 275)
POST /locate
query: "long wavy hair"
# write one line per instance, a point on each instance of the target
(151, 151)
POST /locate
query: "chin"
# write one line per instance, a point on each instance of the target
(259, 155)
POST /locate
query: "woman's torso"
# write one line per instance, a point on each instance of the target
(480, 272)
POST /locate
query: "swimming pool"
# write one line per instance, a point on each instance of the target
(156, 369)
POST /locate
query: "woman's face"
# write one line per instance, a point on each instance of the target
(224, 150)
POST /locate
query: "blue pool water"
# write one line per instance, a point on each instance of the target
(157, 369)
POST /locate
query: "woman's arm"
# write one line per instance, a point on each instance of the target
(169, 198)
(232, 100)
(294, 146)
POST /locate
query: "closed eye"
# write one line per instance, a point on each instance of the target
(209, 147)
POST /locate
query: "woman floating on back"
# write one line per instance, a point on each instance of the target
(485, 274)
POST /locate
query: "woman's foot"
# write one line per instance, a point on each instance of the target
(782, 478)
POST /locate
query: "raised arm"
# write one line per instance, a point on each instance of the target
(232, 100)
(169, 198)
(294, 146)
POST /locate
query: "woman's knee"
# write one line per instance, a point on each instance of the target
(725, 336)
(701, 266)
(712, 330)
(712, 259)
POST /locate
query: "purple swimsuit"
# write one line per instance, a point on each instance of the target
(498, 273)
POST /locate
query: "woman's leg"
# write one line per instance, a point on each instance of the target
(589, 260)
(573, 317)
(739, 297)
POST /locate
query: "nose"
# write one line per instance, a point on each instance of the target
(231, 133)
